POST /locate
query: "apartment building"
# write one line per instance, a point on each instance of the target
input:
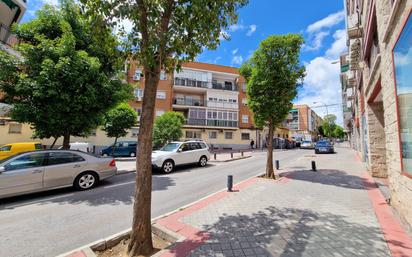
(303, 123)
(211, 97)
(380, 73)
(11, 11)
(347, 86)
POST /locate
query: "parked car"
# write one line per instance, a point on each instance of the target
(36, 171)
(122, 149)
(80, 146)
(15, 148)
(279, 143)
(324, 147)
(178, 153)
(307, 145)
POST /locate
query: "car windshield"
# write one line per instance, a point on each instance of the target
(322, 143)
(170, 147)
(306, 142)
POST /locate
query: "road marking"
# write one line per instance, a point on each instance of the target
(34, 202)
(120, 184)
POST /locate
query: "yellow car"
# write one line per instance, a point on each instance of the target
(15, 148)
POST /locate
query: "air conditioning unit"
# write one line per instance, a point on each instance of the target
(138, 98)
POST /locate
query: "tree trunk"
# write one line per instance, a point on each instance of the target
(114, 146)
(269, 163)
(66, 140)
(141, 236)
(54, 142)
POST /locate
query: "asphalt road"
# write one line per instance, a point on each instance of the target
(50, 223)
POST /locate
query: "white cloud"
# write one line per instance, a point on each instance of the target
(217, 59)
(223, 35)
(327, 22)
(339, 45)
(237, 60)
(235, 51)
(317, 41)
(51, 2)
(236, 27)
(403, 59)
(252, 29)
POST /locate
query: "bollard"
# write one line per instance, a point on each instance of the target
(313, 166)
(231, 155)
(241, 153)
(214, 156)
(94, 149)
(229, 183)
(277, 164)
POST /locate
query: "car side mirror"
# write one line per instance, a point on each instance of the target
(179, 150)
(2, 169)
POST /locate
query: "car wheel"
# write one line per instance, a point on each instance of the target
(203, 161)
(168, 166)
(132, 154)
(85, 181)
(316, 151)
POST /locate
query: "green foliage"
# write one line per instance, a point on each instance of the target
(67, 80)
(273, 75)
(338, 132)
(118, 120)
(329, 124)
(168, 127)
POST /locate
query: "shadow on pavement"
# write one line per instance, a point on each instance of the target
(330, 177)
(288, 232)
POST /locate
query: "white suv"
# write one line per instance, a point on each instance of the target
(177, 153)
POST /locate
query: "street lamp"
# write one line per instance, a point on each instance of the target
(326, 106)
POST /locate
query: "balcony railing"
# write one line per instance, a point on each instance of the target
(190, 83)
(231, 87)
(6, 36)
(189, 101)
(212, 123)
(196, 122)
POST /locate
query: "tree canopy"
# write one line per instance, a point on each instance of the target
(118, 120)
(273, 75)
(67, 78)
(328, 125)
(168, 127)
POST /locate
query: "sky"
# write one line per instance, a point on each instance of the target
(322, 24)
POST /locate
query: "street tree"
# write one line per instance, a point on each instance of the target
(67, 78)
(164, 34)
(118, 120)
(273, 75)
(328, 124)
(338, 132)
(167, 127)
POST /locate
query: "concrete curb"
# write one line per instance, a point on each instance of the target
(120, 172)
(230, 160)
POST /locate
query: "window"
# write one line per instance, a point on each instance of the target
(56, 158)
(245, 119)
(212, 134)
(244, 87)
(244, 101)
(193, 134)
(161, 95)
(26, 162)
(245, 136)
(5, 148)
(403, 77)
(159, 113)
(134, 132)
(15, 128)
(228, 135)
(137, 75)
(93, 133)
(138, 93)
(185, 147)
(163, 75)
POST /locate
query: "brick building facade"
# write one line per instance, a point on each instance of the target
(380, 73)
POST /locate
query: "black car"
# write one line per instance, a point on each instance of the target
(324, 147)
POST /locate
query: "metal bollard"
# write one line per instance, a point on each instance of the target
(94, 149)
(231, 155)
(214, 156)
(229, 183)
(277, 164)
(313, 166)
(241, 153)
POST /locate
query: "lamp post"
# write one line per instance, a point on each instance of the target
(325, 105)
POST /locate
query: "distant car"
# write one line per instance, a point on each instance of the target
(178, 153)
(307, 145)
(15, 148)
(122, 149)
(324, 147)
(37, 171)
(80, 146)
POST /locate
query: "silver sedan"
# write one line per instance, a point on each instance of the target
(49, 169)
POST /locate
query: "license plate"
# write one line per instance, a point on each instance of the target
(323, 150)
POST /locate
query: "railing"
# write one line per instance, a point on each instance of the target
(212, 123)
(222, 86)
(190, 83)
(6, 36)
(189, 101)
(196, 122)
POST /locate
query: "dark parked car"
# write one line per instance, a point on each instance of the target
(324, 147)
(123, 148)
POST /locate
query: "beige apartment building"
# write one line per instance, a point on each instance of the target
(303, 123)
(380, 79)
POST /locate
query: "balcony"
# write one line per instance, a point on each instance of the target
(355, 54)
(6, 36)
(196, 122)
(190, 83)
(212, 123)
(188, 101)
(224, 86)
(354, 26)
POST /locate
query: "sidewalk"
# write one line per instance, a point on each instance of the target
(336, 211)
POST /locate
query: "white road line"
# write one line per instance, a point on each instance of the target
(120, 184)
